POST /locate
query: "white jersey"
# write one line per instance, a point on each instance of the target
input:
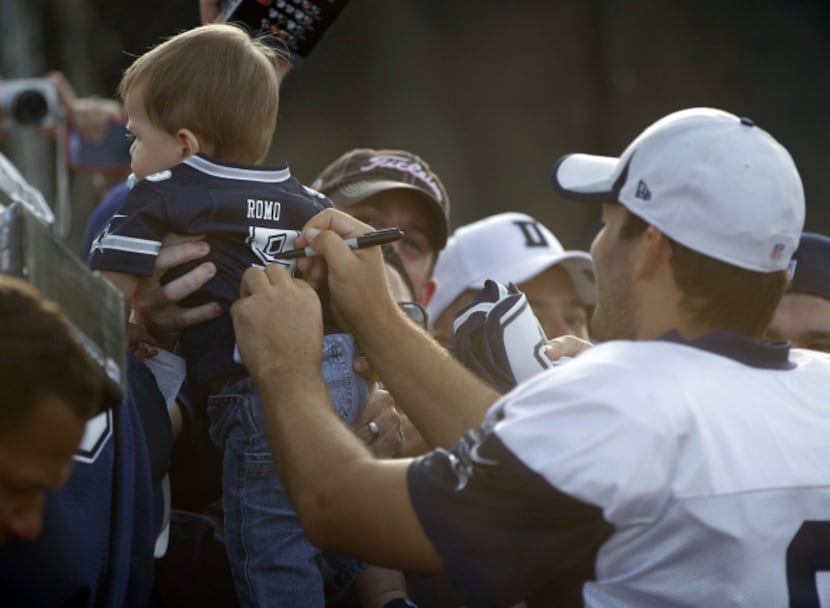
(712, 470)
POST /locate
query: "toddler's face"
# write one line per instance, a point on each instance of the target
(153, 149)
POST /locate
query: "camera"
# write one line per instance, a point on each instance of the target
(30, 102)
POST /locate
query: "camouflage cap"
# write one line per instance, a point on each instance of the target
(364, 172)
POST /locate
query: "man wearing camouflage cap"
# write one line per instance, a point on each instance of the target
(394, 188)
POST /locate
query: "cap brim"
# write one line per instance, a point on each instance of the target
(355, 192)
(577, 264)
(352, 193)
(581, 268)
(585, 177)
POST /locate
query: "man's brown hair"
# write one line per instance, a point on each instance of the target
(40, 356)
(216, 81)
(717, 294)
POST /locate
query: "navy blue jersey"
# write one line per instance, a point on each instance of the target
(247, 213)
(99, 528)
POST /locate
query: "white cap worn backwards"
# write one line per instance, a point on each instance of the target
(709, 180)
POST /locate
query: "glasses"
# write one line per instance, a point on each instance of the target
(415, 312)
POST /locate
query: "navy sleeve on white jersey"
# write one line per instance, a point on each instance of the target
(504, 534)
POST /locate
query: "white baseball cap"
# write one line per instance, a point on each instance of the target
(711, 181)
(506, 248)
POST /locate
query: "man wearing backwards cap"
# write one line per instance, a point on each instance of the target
(394, 188)
(685, 464)
(514, 248)
(803, 316)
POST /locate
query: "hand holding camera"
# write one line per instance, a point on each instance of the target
(29, 102)
(96, 137)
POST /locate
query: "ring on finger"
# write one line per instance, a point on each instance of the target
(374, 430)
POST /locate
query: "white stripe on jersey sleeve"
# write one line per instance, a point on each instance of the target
(129, 244)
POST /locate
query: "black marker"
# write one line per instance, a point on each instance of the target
(370, 239)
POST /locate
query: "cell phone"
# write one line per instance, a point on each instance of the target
(299, 24)
(109, 155)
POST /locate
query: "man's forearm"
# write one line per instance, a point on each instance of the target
(347, 501)
(304, 434)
